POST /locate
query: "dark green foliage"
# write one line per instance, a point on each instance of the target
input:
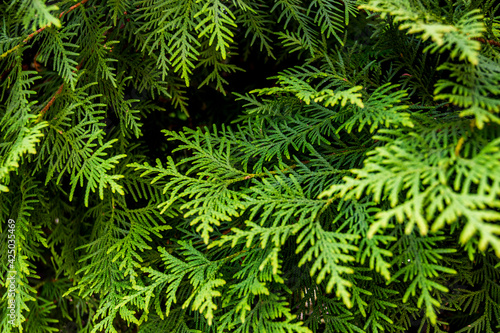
(358, 192)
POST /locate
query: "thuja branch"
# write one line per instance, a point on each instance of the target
(30, 36)
(264, 174)
(6, 53)
(290, 168)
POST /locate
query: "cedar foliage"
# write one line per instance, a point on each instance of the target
(359, 192)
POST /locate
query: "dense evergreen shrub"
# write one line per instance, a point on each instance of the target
(356, 191)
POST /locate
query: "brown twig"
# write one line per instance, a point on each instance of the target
(49, 104)
(487, 41)
(6, 53)
(59, 91)
(73, 7)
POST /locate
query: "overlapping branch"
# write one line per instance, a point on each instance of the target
(30, 36)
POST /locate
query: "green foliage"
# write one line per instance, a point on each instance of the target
(357, 192)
